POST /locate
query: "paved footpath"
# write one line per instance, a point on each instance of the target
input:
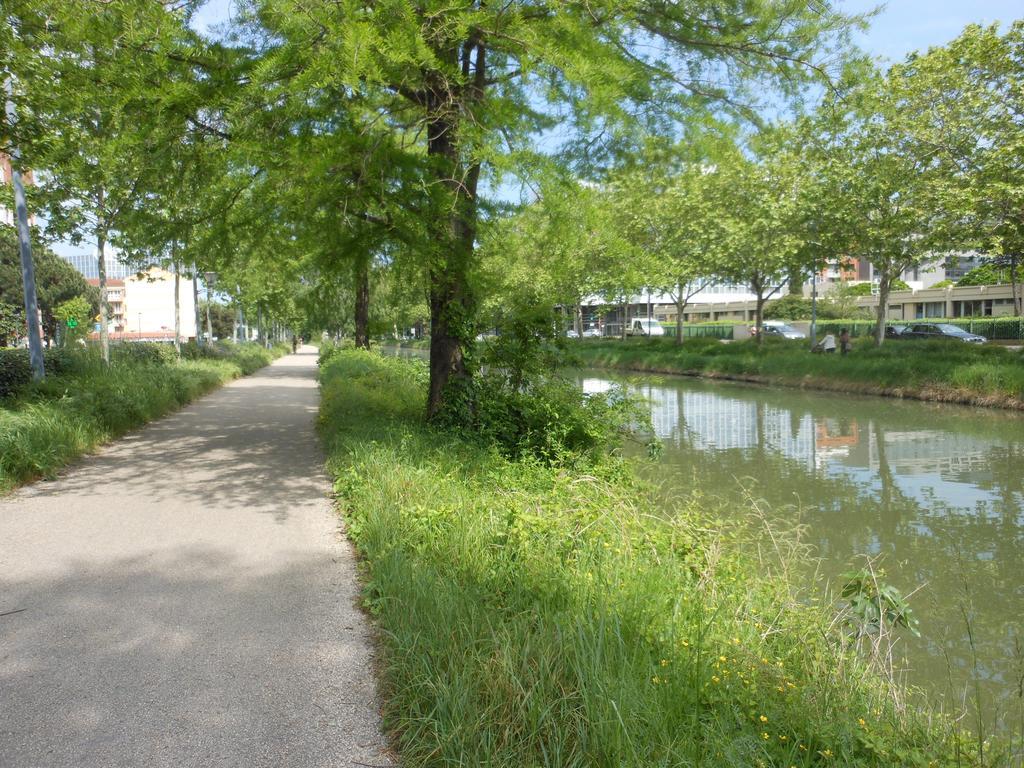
(184, 598)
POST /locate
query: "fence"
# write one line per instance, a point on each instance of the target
(997, 328)
(705, 330)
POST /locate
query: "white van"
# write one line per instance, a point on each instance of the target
(642, 326)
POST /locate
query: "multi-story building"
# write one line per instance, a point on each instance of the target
(7, 216)
(88, 265)
(142, 306)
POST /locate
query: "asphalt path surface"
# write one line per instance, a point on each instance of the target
(185, 597)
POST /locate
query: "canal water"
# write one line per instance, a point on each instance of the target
(934, 494)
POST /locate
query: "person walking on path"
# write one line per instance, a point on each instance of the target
(185, 598)
(844, 341)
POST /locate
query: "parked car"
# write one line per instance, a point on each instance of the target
(643, 326)
(894, 331)
(779, 328)
(592, 333)
(571, 334)
(941, 331)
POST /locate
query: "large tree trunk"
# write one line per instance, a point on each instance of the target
(883, 308)
(362, 308)
(452, 305)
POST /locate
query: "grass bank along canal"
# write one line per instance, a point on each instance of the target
(934, 492)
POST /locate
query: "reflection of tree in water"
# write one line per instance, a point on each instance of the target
(922, 535)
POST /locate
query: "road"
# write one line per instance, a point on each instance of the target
(185, 598)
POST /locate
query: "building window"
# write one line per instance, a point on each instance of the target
(930, 309)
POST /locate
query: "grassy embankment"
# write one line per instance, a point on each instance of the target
(83, 404)
(555, 615)
(941, 371)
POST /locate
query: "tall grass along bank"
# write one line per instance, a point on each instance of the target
(941, 371)
(538, 612)
(83, 403)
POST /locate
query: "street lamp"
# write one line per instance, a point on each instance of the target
(210, 278)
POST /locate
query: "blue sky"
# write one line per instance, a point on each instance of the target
(902, 26)
(908, 25)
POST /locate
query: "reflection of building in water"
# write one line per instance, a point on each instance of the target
(943, 470)
(931, 451)
(714, 423)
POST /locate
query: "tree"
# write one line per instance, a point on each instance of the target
(966, 101)
(879, 185)
(73, 315)
(677, 220)
(97, 92)
(56, 280)
(480, 81)
(12, 324)
(761, 208)
(547, 253)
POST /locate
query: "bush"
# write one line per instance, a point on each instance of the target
(788, 308)
(551, 420)
(144, 352)
(15, 370)
(61, 361)
(864, 289)
(702, 343)
(329, 349)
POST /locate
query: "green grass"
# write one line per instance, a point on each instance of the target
(539, 615)
(50, 423)
(949, 371)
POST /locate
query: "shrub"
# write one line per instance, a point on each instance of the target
(145, 352)
(788, 308)
(15, 370)
(864, 289)
(329, 349)
(701, 343)
(60, 361)
(551, 420)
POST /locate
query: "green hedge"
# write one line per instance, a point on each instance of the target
(15, 371)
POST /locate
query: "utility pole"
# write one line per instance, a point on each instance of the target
(28, 272)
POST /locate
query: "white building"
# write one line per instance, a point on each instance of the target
(142, 306)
